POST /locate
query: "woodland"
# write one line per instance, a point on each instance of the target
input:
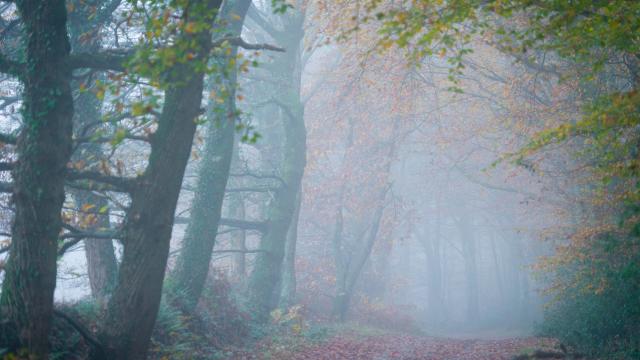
(319, 179)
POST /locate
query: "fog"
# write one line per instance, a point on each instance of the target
(256, 179)
(458, 235)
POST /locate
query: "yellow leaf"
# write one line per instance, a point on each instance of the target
(190, 27)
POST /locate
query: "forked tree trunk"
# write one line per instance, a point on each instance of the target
(132, 310)
(44, 149)
(349, 270)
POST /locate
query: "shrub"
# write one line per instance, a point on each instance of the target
(596, 308)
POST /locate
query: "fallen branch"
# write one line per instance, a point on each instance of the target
(84, 332)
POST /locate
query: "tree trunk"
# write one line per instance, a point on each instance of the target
(102, 265)
(498, 270)
(351, 269)
(239, 240)
(288, 289)
(341, 302)
(44, 149)
(262, 296)
(133, 307)
(435, 301)
(132, 310)
(339, 299)
(470, 267)
(267, 269)
(192, 265)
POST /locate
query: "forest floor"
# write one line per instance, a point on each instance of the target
(373, 344)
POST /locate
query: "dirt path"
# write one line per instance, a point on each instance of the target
(406, 347)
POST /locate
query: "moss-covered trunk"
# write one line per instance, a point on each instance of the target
(192, 265)
(44, 149)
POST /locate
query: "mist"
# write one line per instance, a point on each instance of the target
(242, 179)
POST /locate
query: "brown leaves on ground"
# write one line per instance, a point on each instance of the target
(404, 347)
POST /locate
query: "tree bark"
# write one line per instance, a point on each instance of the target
(132, 310)
(288, 282)
(262, 285)
(192, 265)
(239, 240)
(44, 149)
(102, 266)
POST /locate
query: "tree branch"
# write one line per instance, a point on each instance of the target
(107, 139)
(260, 226)
(107, 60)
(6, 166)
(68, 245)
(122, 183)
(106, 12)
(250, 189)
(91, 235)
(239, 42)
(259, 176)
(6, 187)
(11, 67)
(256, 16)
(86, 334)
(8, 139)
(77, 235)
(240, 251)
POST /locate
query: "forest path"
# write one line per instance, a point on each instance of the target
(409, 347)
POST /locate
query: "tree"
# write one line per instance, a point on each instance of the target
(586, 45)
(266, 274)
(44, 149)
(193, 262)
(132, 309)
(86, 20)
